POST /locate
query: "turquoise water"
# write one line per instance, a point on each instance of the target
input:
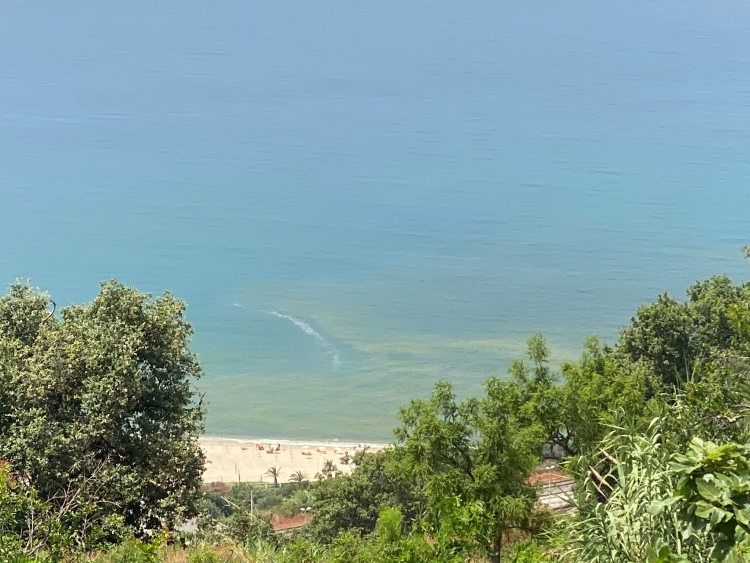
(359, 199)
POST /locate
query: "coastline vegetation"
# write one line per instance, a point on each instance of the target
(99, 421)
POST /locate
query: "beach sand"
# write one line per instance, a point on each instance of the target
(231, 461)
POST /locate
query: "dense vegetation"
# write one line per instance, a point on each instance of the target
(99, 422)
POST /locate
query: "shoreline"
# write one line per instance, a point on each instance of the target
(297, 442)
(233, 460)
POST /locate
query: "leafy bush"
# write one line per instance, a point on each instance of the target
(301, 499)
(134, 551)
(714, 496)
(246, 529)
(203, 556)
(529, 551)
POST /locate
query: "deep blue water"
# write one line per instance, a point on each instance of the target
(358, 199)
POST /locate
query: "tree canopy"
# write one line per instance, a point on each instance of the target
(103, 390)
(475, 458)
(673, 338)
(353, 502)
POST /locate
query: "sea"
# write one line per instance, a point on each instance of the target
(360, 199)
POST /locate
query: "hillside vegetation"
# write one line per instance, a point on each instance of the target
(100, 416)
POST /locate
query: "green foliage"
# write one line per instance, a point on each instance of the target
(389, 544)
(17, 504)
(349, 547)
(98, 416)
(529, 551)
(126, 552)
(572, 412)
(538, 396)
(100, 398)
(302, 499)
(214, 507)
(204, 557)
(714, 408)
(623, 514)
(329, 471)
(242, 493)
(274, 473)
(539, 374)
(32, 528)
(475, 458)
(246, 529)
(298, 477)
(714, 488)
(353, 502)
(301, 550)
(389, 527)
(592, 389)
(264, 498)
(134, 550)
(673, 338)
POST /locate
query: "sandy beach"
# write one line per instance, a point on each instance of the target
(232, 460)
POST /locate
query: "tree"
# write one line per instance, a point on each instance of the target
(302, 500)
(274, 473)
(248, 529)
(641, 498)
(105, 389)
(298, 477)
(714, 408)
(672, 338)
(661, 335)
(592, 387)
(475, 458)
(354, 501)
(574, 407)
(329, 469)
(538, 396)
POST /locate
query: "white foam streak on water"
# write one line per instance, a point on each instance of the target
(310, 331)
